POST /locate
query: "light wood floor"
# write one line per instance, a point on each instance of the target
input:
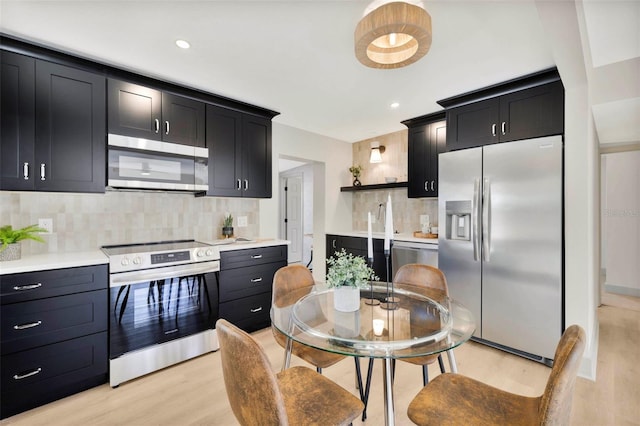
(193, 393)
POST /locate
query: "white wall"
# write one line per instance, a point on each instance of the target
(621, 222)
(332, 208)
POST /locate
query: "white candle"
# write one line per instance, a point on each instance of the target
(378, 327)
(388, 226)
(369, 239)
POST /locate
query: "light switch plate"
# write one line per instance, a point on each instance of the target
(46, 224)
(242, 221)
(424, 219)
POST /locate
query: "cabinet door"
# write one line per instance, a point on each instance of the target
(134, 110)
(183, 120)
(17, 122)
(224, 128)
(438, 144)
(532, 113)
(70, 129)
(418, 151)
(473, 125)
(256, 157)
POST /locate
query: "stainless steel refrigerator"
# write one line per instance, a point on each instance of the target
(501, 241)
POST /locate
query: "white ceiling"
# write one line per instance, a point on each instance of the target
(296, 57)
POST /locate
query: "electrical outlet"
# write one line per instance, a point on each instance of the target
(242, 221)
(46, 224)
(373, 219)
(424, 219)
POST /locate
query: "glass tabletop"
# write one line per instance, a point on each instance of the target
(422, 323)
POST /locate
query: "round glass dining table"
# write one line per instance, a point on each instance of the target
(417, 322)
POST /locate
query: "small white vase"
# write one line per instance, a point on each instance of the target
(346, 298)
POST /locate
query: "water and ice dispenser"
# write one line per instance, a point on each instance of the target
(458, 225)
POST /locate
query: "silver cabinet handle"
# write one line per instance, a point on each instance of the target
(25, 171)
(256, 280)
(256, 256)
(42, 171)
(475, 235)
(486, 220)
(432, 182)
(493, 129)
(166, 126)
(157, 125)
(504, 127)
(426, 185)
(29, 374)
(333, 243)
(253, 311)
(27, 286)
(238, 184)
(25, 326)
(246, 184)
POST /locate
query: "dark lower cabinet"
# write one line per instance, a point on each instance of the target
(357, 246)
(53, 127)
(246, 281)
(53, 334)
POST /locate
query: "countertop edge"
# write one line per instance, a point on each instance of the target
(242, 245)
(380, 235)
(46, 261)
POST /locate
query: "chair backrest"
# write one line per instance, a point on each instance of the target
(251, 384)
(290, 283)
(425, 276)
(555, 403)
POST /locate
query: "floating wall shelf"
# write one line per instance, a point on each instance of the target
(375, 186)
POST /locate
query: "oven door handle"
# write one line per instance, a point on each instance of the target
(125, 278)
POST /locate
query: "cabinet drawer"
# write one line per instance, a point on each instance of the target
(38, 376)
(249, 313)
(57, 282)
(41, 322)
(243, 282)
(253, 256)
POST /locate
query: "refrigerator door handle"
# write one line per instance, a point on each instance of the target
(486, 219)
(475, 234)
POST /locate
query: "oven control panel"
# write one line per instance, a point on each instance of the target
(137, 261)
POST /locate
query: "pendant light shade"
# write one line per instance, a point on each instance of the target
(392, 36)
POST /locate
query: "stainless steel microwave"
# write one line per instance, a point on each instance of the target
(136, 163)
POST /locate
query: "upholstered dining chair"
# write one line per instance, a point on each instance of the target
(295, 396)
(290, 283)
(453, 399)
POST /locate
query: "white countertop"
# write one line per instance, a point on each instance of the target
(41, 262)
(380, 235)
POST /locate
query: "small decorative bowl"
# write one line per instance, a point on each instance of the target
(391, 179)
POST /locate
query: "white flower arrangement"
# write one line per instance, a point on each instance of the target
(346, 269)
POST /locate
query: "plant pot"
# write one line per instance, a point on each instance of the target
(227, 231)
(346, 298)
(11, 252)
(347, 324)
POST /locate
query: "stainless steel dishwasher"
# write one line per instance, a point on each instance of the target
(404, 252)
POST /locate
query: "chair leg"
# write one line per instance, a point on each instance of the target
(441, 362)
(425, 375)
(365, 400)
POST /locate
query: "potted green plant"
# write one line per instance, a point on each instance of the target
(355, 171)
(10, 239)
(347, 275)
(227, 226)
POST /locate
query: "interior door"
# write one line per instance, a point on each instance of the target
(294, 220)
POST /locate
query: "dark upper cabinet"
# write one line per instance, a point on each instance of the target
(53, 132)
(528, 107)
(142, 112)
(239, 154)
(427, 139)
(17, 121)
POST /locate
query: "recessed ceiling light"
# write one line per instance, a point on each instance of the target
(394, 105)
(183, 44)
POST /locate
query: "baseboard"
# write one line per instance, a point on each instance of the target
(622, 290)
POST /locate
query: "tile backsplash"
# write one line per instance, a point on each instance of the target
(89, 221)
(406, 211)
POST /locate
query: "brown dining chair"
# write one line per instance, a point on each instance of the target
(295, 396)
(290, 283)
(431, 282)
(453, 399)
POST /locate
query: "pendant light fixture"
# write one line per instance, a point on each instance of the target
(393, 35)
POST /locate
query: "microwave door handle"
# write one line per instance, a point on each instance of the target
(475, 234)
